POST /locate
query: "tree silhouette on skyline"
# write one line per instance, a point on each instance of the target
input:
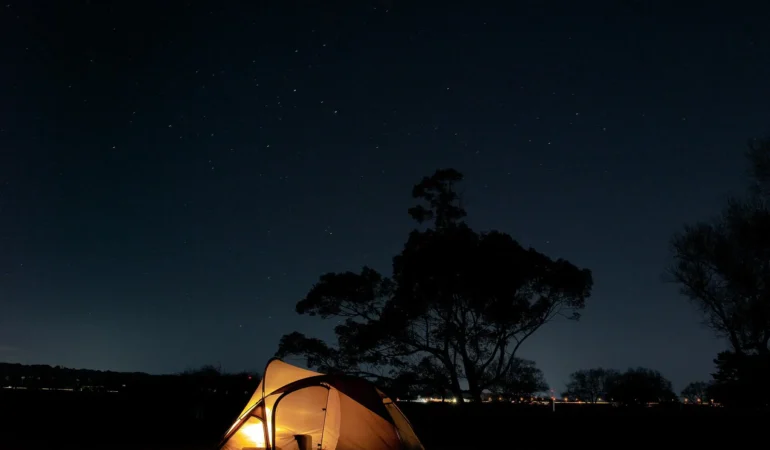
(455, 311)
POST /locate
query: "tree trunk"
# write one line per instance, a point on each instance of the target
(473, 386)
(471, 376)
(457, 391)
(458, 395)
(736, 343)
(454, 387)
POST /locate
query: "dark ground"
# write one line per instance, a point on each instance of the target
(32, 420)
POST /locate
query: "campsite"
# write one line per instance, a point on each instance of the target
(164, 418)
(46, 420)
(384, 225)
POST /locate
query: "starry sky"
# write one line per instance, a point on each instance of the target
(174, 176)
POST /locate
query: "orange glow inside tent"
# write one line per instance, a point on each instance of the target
(298, 409)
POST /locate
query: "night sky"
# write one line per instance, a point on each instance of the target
(174, 177)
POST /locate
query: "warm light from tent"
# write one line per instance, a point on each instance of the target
(254, 430)
(255, 433)
(269, 417)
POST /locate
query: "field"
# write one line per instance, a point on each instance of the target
(51, 420)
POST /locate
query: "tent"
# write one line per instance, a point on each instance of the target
(298, 409)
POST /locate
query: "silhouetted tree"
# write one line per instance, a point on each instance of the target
(741, 380)
(444, 204)
(641, 386)
(523, 379)
(723, 265)
(590, 385)
(697, 391)
(457, 308)
(205, 371)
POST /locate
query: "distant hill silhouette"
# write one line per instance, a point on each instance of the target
(46, 377)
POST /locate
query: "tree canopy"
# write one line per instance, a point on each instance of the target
(455, 310)
(696, 392)
(523, 379)
(723, 265)
(637, 386)
(590, 385)
(641, 386)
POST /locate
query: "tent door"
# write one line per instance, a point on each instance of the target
(298, 419)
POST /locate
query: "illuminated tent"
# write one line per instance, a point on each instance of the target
(298, 409)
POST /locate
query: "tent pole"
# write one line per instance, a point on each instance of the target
(323, 425)
(264, 424)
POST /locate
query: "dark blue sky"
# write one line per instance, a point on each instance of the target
(174, 178)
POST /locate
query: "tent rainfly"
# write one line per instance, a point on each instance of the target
(298, 409)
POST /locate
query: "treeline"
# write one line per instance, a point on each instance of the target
(635, 386)
(459, 304)
(57, 377)
(741, 380)
(206, 379)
